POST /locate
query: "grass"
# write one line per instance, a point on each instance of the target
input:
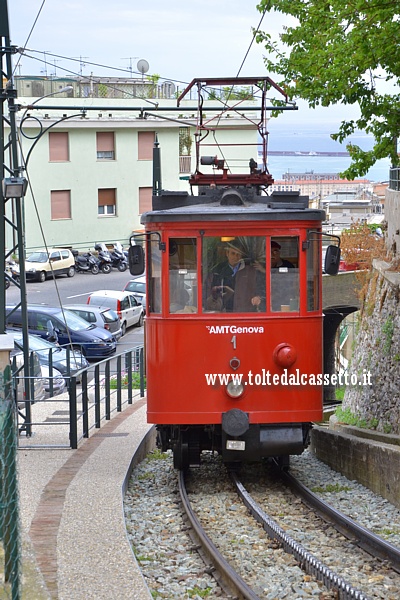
(125, 381)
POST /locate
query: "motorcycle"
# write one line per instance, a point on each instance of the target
(12, 270)
(104, 258)
(118, 258)
(86, 262)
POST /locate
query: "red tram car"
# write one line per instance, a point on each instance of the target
(234, 321)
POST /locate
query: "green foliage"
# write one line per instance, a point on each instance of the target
(196, 591)
(388, 331)
(347, 417)
(339, 393)
(156, 454)
(124, 381)
(229, 93)
(341, 52)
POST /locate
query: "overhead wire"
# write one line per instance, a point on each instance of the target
(237, 75)
(30, 33)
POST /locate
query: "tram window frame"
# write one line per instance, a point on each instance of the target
(182, 275)
(313, 273)
(284, 298)
(154, 274)
(219, 298)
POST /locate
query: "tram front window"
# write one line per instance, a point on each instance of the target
(285, 282)
(234, 274)
(182, 275)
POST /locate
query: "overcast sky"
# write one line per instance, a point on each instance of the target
(180, 40)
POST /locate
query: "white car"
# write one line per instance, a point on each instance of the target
(126, 306)
(138, 288)
(42, 264)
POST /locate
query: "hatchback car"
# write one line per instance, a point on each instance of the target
(126, 306)
(42, 264)
(101, 317)
(138, 288)
(66, 328)
(59, 356)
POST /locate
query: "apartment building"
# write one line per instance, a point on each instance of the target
(89, 163)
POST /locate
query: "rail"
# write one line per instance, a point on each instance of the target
(92, 397)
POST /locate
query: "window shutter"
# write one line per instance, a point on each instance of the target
(58, 146)
(145, 145)
(60, 204)
(145, 199)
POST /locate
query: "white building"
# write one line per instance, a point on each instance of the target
(89, 163)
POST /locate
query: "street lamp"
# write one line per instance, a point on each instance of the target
(14, 187)
(67, 88)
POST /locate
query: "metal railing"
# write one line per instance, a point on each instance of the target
(394, 179)
(92, 397)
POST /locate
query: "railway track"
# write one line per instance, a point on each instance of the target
(243, 560)
(309, 563)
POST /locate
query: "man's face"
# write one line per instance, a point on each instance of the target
(275, 256)
(233, 257)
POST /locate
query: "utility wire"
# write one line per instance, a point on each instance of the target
(30, 33)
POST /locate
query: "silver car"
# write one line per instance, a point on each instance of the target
(17, 371)
(100, 316)
(54, 384)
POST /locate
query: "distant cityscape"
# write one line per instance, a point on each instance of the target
(299, 153)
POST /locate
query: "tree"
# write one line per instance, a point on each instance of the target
(343, 52)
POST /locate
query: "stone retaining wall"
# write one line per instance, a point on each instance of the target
(373, 461)
(377, 351)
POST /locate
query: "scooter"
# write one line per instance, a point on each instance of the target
(118, 258)
(12, 270)
(104, 258)
(86, 262)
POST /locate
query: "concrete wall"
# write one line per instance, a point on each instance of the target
(373, 461)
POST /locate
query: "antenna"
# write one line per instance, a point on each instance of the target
(130, 58)
(143, 66)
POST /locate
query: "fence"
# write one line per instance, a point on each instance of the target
(9, 508)
(93, 396)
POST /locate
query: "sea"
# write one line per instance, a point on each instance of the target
(313, 150)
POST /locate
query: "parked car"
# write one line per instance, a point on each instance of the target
(101, 317)
(69, 330)
(17, 371)
(59, 356)
(54, 383)
(128, 309)
(42, 264)
(138, 288)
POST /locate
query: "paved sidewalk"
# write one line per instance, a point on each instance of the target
(72, 517)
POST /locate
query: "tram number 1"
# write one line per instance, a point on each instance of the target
(233, 341)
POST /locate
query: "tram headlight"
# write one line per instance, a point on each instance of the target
(234, 389)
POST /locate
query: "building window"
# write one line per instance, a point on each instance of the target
(145, 199)
(58, 146)
(106, 202)
(60, 201)
(145, 145)
(105, 145)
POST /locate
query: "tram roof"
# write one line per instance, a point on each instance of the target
(248, 212)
